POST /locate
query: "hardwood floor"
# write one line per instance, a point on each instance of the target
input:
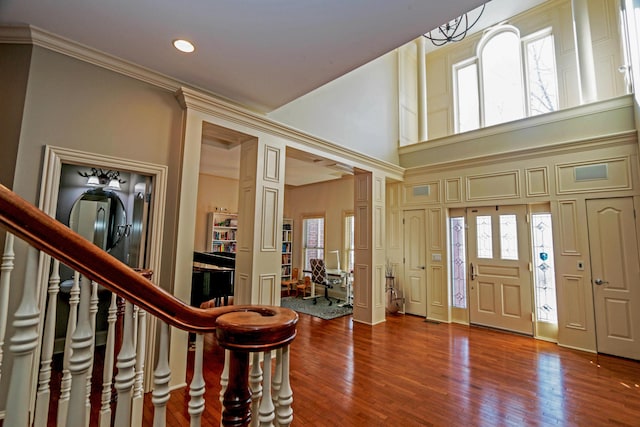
(408, 372)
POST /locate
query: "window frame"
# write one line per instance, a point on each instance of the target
(346, 240)
(306, 264)
(526, 41)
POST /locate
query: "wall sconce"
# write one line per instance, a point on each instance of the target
(101, 178)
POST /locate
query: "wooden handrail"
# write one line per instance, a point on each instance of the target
(268, 327)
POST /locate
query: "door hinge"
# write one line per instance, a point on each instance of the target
(527, 218)
(403, 261)
(402, 221)
(530, 267)
(533, 319)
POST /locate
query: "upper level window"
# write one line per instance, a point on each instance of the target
(495, 87)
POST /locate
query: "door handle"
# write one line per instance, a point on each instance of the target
(600, 282)
(472, 268)
(421, 267)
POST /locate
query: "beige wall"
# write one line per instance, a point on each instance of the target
(528, 162)
(359, 110)
(73, 104)
(213, 192)
(331, 199)
(604, 15)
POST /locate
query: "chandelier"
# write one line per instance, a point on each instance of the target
(453, 31)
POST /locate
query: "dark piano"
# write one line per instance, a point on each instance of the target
(212, 277)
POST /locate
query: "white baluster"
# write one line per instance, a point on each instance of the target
(126, 370)
(277, 378)
(107, 373)
(93, 310)
(285, 395)
(196, 389)
(65, 384)
(44, 392)
(22, 346)
(224, 378)
(161, 377)
(81, 359)
(5, 278)
(255, 383)
(267, 409)
(141, 350)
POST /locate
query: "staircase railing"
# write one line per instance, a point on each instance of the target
(248, 334)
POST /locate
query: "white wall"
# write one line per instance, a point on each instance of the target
(358, 110)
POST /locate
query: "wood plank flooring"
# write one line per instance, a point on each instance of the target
(408, 372)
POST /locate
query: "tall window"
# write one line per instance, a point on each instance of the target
(349, 240)
(495, 87)
(458, 261)
(313, 240)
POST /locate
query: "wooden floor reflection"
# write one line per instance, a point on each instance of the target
(408, 372)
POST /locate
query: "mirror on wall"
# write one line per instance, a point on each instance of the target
(100, 217)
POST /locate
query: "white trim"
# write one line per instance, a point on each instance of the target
(622, 102)
(190, 96)
(54, 157)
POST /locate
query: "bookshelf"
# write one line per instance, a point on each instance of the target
(221, 231)
(287, 242)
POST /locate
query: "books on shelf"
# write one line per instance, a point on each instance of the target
(287, 241)
(222, 229)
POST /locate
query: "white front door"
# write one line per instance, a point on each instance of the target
(415, 286)
(500, 282)
(615, 273)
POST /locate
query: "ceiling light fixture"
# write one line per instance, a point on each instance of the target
(184, 45)
(455, 30)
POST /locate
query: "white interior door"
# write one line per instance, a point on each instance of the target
(615, 272)
(415, 284)
(499, 255)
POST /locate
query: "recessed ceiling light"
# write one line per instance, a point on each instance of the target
(184, 45)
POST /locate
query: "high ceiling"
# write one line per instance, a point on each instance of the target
(259, 53)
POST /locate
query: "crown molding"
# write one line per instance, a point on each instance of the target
(190, 99)
(611, 140)
(188, 96)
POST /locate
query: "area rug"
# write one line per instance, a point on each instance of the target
(322, 309)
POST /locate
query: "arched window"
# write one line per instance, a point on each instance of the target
(510, 78)
(501, 76)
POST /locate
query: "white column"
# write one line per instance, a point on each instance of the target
(584, 51)
(423, 133)
(260, 211)
(368, 286)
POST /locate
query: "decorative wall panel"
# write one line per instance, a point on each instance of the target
(361, 188)
(618, 177)
(266, 288)
(271, 164)
(378, 188)
(362, 226)
(505, 185)
(438, 289)
(572, 295)
(270, 232)
(361, 286)
(378, 218)
(569, 236)
(435, 238)
(537, 182)
(395, 229)
(245, 236)
(453, 190)
(379, 286)
(421, 193)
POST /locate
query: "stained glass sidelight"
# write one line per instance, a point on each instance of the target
(484, 237)
(508, 237)
(458, 262)
(543, 273)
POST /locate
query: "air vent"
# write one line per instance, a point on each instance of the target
(591, 172)
(421, 190)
